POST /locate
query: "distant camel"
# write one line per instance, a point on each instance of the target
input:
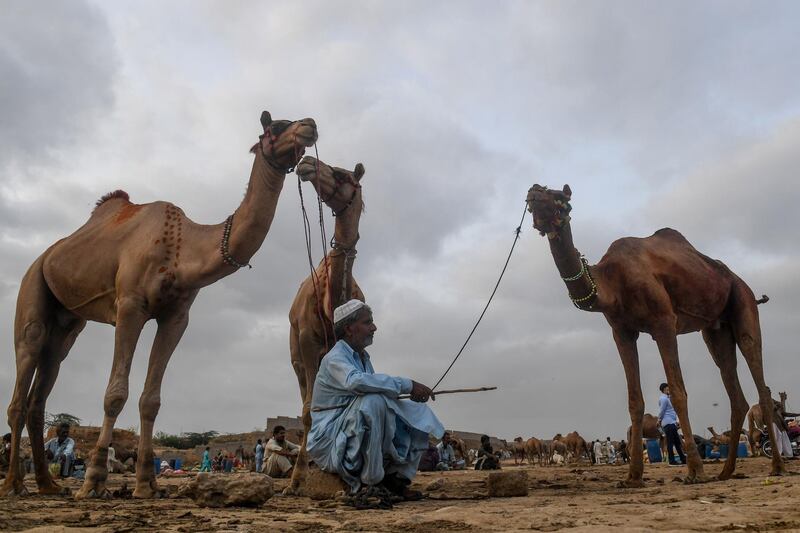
(534, 447)
(650, 431)
(661, 285)
(518, 449)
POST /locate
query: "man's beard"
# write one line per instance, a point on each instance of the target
(368, 341)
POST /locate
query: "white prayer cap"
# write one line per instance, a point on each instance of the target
(347, 309)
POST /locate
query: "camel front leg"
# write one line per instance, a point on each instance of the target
(628, 353)
(131, 317)
(168, 335)
(667, 343)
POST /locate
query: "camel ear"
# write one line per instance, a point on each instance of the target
(358, 172)
(567, 191)
(266, 120)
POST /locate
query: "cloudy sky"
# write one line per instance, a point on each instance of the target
(679, 114)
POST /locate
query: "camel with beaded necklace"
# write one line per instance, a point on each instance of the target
(311, 316)
(661, 285)
(130, 263)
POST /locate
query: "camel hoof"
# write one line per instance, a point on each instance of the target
(21, 492)
(631, 484)
(54, 490)
(93, 494)
(696, 480)
(292, 491)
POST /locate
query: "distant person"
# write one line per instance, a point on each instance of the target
(112, 457)
(598, 452)
(5, 453)
(782, 430)
(259, 451)
(206, 465)
(487, 460)
(61, 450)
(611, 453)
(623, 452)
(447, 457)
(668, 420)
(281, 454)
(429, 459)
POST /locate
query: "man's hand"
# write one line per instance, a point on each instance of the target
(421, 393)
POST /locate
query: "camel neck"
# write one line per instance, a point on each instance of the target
(579, 281)
(341, 259)
(253, 218)
(248, 229)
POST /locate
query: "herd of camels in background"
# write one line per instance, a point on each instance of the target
(130, 263)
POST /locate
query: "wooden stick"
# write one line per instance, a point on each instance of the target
(407, 396)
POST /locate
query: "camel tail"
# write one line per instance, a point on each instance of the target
(119, 193)
(764, 299)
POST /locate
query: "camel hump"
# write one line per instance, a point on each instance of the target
(119, 193)
(670, 233)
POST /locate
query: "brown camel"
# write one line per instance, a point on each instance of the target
(650, 431)
(557, 445)
(662, 286)
(576, 445)
(535, 448)
(518, 450)
(128, 264)
(460, 449)
(332, 284)
(755, 423)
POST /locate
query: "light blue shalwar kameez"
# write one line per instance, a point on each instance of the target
(375, 433)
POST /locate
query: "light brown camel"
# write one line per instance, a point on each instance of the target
(755, 423)
(128, 264)
(576, 445)
(535, 448)
(311, 315)
(518, 450)
(662, 286)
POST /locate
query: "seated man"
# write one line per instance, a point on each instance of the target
(365, 434)
(429, 459)
(281, 454)
(5, 453)
(61, 450)
(447, 457)
(487, 460)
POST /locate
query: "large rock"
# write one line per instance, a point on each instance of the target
(505, 484)
(321, 485)
(228, 490)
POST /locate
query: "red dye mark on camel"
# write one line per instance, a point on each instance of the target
(157, 241)
(162, 269)
(127, 211)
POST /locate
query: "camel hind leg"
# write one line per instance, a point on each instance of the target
(722, 346)
(305, 361)
(35, 311)
(747, 331)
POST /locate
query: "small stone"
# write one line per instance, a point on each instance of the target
(506, 484)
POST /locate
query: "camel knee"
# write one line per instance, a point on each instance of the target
(114, 402)
(149, 407)
(34, 335)
(17, 412)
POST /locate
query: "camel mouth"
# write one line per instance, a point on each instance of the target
(307, 168)
(306, 136)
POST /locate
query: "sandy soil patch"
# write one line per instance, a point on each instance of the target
(573, 498)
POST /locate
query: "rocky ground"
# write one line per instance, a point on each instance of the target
(578, 497)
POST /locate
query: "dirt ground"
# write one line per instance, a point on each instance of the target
(579, 497)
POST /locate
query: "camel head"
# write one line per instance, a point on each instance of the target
(518, 439)
(284, 142)
(550, 208)
(339, 188)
